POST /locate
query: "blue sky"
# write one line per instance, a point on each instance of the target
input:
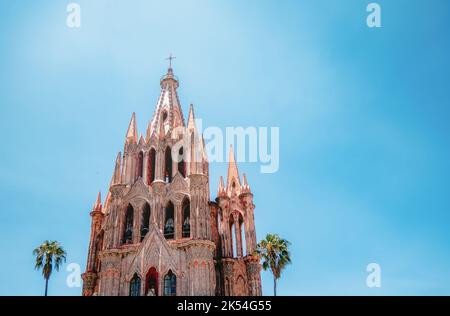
(363, 116)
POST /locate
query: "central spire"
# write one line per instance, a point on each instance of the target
(169, 74)
(168, 114)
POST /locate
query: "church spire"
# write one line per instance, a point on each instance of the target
(131, 137)
(141, 140)
(168, 114)
(233, 180)
(191, 119)
(221, 191)
(245, 187)
(107, 202)
(98, 203)
(117, 169)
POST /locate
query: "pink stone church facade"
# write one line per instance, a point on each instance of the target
(158, 232)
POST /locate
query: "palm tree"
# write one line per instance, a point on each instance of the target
(274, 252)
(49, 254)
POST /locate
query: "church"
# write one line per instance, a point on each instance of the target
(158, 233)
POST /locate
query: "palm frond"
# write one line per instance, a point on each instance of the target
(274, 252)
(48, 255)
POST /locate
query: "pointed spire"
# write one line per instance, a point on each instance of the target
(98, 203)
(168, 110)
(191, 119)
(141, 140)
(107, 202)
(244, 180)
(117, 172)
(221, 189)
(245, 186)
(233, 180)
(131, 137)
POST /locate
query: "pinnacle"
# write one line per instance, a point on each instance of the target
(132, 130)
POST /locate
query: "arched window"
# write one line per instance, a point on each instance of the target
(168, 165)
(219, 222)
(240, 288)
(236, 232)
(219, 229)
(169, 222)
(140, 170)
(128, 225)
(145, 224)
(228, 287)
(181, 163)
(243, 239)
(151, 166)
(135, 286)
(233, 240)
(170, 284)
(151, 284)
(186, 229)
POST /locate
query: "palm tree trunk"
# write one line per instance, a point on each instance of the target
(274, 286)
(46, 286)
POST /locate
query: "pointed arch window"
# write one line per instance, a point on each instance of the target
(140, 170)
(151, 284)
(170, 284)
(169, 222)
(237, 235)
(135, 286)
(145, 224)
(128, 225)
(186, 229)
(168, 165)
(243, 238)
(151, 166)
(233, 240)
(181, 163)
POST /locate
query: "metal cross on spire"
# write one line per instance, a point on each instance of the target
(170, 59)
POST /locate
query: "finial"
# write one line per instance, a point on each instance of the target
(116, 176)
(169, 74)
(233, 178)
(245, 186)
(132, 130)
(221, 186)
(170, 60)
(191, 118)
(244, 179)
(98, 202)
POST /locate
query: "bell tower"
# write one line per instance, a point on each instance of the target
(157, 232)
(235, 234)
